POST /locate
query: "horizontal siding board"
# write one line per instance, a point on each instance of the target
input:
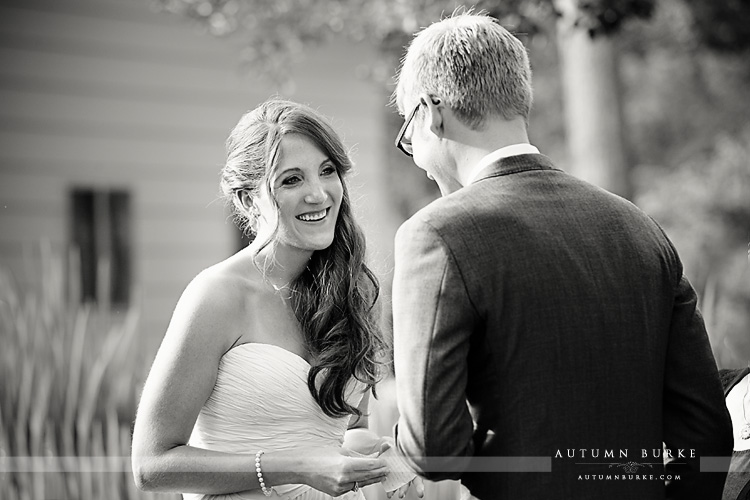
(30, 205)
(105, 49)
(23, 110)
(131, 11)
(154, 270)
(182, 230)
(45, 190)
(160, 211)
(158, 277)
(197, 249)
(69, 148)
(39, 162)
(100, 128)
(233, 101)
(160, 80)
(154, 276)
(46, 199)
(21, 27)
(203, 117)
(124, 10)
(108, 70)
(30, 226)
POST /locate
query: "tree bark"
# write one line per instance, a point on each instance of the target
(592, 103)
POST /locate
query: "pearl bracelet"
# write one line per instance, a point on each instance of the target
(266, 491)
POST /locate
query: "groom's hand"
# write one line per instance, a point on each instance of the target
(418, 484)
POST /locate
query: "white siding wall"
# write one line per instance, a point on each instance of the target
(107, 93)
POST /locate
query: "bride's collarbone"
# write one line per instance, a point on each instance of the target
(273, 328)
(277, 319)
(269, 319)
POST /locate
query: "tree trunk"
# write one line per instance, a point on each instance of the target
(593, 108)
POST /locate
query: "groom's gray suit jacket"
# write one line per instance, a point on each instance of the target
(546, 324)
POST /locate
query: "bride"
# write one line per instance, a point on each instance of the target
(261, 384)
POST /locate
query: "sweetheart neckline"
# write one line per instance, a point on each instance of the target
(278, 348)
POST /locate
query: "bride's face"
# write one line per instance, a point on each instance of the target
(308, 192)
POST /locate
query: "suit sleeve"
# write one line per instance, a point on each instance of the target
(433, 319)
(695, 413)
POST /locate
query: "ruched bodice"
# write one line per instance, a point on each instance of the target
(261, 401)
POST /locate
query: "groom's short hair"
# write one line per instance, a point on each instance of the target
(478, 67)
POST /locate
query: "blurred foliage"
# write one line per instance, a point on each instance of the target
(722, 25)
(679, 93)
(687, 110)
(72, 375)
(273, 33)
(704, 206)
(607, 16)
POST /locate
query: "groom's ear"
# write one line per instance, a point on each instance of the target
(435, 113)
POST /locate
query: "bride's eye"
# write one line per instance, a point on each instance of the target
(328, 170)
(291, 180)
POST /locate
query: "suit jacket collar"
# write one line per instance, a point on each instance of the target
(515, 164)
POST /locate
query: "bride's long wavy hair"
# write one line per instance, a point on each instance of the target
(334, 298)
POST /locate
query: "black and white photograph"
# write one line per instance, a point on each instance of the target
(374, 249)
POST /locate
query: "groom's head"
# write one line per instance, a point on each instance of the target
(469, 66)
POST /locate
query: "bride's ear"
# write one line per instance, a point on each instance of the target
(244, 201)
(249, 206)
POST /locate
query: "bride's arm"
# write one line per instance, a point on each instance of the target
(181, 379)
(179, 383)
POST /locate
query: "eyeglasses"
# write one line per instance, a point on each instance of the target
(405, 146)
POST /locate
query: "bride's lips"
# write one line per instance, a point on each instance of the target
(316, 216)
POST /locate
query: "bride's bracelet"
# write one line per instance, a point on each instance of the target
(266, 491)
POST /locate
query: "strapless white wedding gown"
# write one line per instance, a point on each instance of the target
(261, 402)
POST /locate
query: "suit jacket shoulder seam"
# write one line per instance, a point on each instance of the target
(453, 258)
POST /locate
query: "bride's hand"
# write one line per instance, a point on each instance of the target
(335, 471)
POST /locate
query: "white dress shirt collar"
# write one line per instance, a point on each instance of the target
(512, 150)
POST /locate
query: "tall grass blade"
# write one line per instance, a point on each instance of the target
(74, 376)
(23, 405)
(39, 410)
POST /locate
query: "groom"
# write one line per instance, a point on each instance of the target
(546, 340)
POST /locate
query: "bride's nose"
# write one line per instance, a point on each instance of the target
(315, 194)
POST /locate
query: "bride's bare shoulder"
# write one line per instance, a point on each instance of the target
(230, 279)
(222, 294)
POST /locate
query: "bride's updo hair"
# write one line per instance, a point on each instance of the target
(334, 298)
